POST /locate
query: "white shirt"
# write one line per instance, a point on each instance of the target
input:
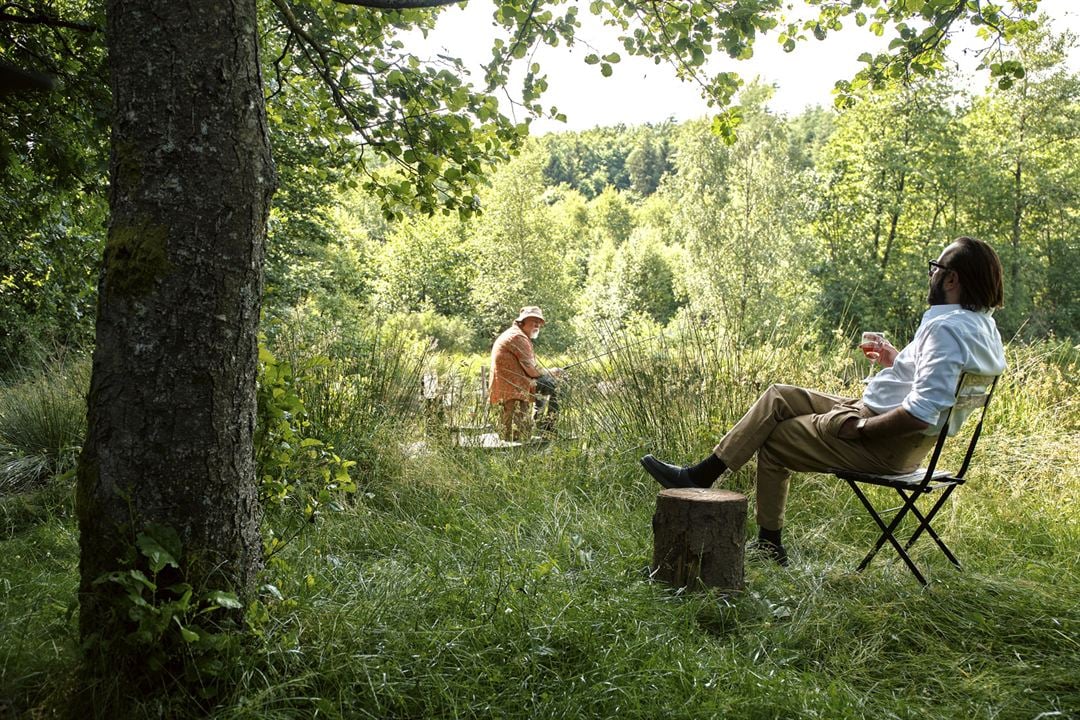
(923, 378)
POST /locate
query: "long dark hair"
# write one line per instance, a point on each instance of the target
(980, 274)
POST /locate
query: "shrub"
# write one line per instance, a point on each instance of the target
(450, 334)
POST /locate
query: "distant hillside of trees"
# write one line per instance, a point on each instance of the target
(825, 219)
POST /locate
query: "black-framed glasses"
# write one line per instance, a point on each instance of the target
(934, 266)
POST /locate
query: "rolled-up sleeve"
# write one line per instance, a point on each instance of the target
(940, 361)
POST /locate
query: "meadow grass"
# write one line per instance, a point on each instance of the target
(515, 585)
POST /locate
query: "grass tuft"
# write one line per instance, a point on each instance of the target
(42, 424)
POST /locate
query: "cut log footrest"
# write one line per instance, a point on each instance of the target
(699, 537)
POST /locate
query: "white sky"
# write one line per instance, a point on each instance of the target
(640, 92)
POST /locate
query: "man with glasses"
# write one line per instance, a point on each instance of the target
(892, 427)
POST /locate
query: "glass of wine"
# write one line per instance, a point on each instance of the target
(871, 345)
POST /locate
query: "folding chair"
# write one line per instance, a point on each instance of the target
(973, 393)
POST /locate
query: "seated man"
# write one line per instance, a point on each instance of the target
(516, 379)
(895, 423)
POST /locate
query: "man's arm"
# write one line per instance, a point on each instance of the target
(894, 423)
(522, 349)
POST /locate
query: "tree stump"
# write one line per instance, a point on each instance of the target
(698, 536)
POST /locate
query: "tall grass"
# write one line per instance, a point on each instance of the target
(361, 385)
(676, 394)
(515, 585)
(42, 424)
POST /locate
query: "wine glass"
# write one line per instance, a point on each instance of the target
(871, 345)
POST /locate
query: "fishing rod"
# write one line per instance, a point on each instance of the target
(615, 349)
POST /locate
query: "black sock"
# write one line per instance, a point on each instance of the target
(770, 536)
(705, 472)
(769, 542)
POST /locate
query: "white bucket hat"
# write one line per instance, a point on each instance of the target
(530, 311)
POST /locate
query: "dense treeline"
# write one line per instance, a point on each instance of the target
(825, 219)
(621, 158)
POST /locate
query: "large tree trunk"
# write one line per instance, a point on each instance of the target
(172, 397)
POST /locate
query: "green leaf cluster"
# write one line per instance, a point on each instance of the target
(412, 133)
(53, 158)
(299, 475)
(177, 632)
(920, 37)
(619, 157)
(349, 105)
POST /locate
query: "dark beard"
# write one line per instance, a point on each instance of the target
(936, 295)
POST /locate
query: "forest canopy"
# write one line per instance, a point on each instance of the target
(822, 218)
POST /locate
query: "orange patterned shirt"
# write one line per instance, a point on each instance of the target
(513, 367)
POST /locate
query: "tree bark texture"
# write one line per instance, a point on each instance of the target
(699, 536)
(171, 410)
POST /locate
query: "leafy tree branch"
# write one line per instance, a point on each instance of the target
(398, 4)
(30, 17)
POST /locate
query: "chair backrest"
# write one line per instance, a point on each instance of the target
(973, 393)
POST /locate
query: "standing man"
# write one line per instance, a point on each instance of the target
(515, 377)
(895, 423)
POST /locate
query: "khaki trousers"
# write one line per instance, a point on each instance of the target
(792, 428)
(516, 422)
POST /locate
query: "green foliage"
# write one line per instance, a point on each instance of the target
(351, 107)
(42, 424)
(1021, 186)
(490, 584)
(647, 164)
(825, 215)
(892, 170)
(618, 157)
(51, 500)
(688, 32)
(37, 628)
(418, 134)
(743, 231)
(178, 635)
(635, 280)
(808, 133)
(358, 381)
(920, 38)
(53, 154)
(448, 334)
(568, 216)
(610, 217)
(425, 264)
(47, 280)
(536, 564)
(299, 474)
(159, 616)
(320, 240)
(517, 256)
(647, 277)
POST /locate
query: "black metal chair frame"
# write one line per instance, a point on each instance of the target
(972, 391)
